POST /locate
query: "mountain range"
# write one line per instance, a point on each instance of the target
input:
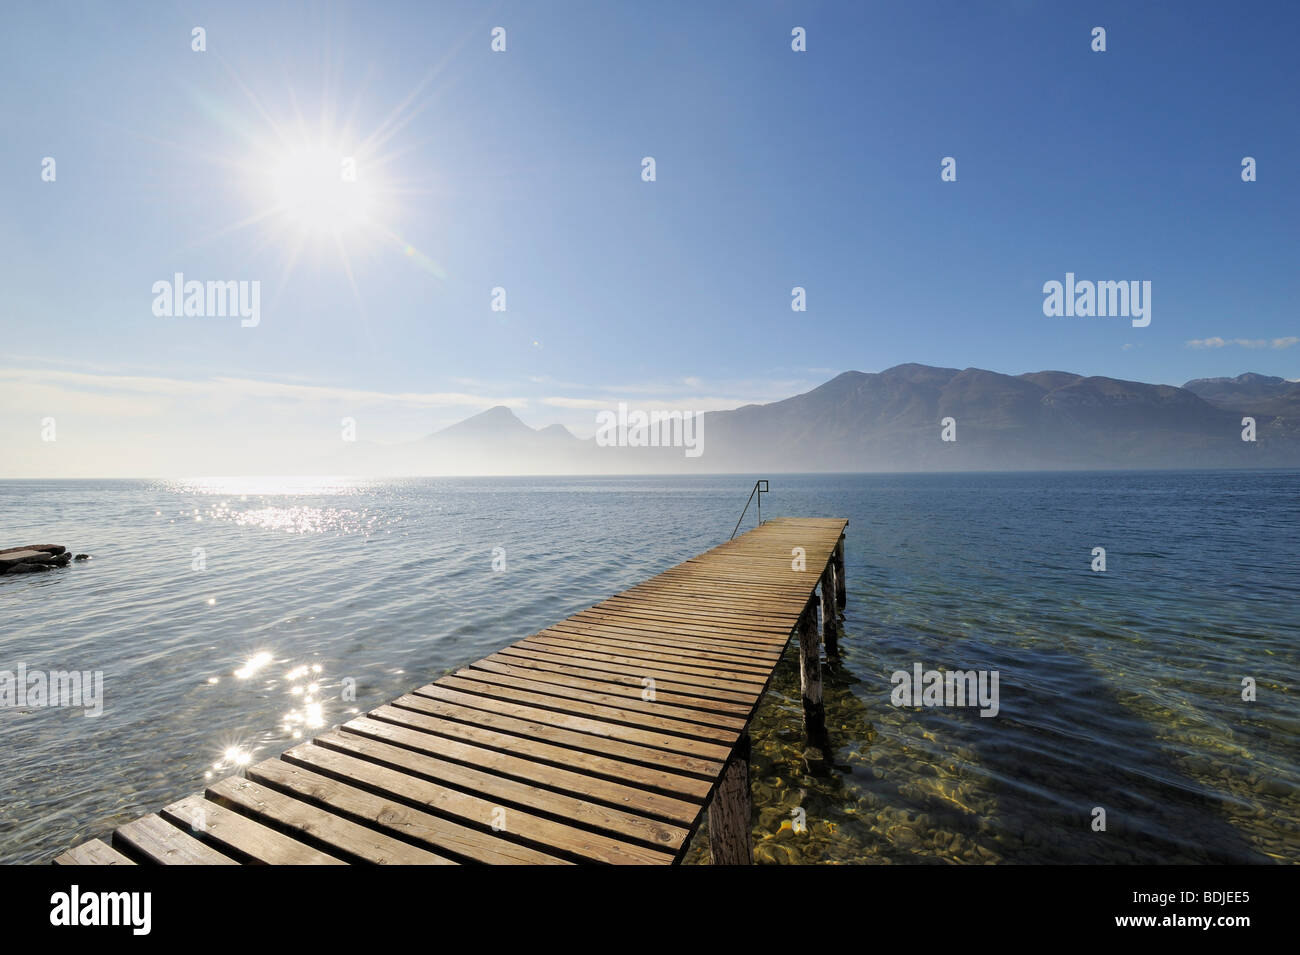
(894, 420)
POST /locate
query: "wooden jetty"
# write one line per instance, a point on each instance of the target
(601, 739)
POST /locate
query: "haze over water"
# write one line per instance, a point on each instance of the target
(1119, 690)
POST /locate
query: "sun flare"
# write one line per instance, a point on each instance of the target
(334, 192)
(320, 191)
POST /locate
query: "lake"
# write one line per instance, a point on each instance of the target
(231, 618)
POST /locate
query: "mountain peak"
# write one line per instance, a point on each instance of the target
(496, 420)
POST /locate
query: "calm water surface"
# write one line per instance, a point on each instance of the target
(228, 616)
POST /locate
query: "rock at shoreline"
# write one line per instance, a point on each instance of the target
(82, 557)
(24, 556)
(34, 557)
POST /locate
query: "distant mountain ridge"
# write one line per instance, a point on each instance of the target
(1249, 392)
(893, 421)
(1042, 420)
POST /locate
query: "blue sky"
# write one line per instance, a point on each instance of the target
(522, 169)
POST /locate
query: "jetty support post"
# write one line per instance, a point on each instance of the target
(837, 559)
(731, 809)
(830, 619)
(810, 675)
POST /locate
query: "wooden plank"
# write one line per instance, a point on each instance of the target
(157, 840)
(670, 772)
(474, 810)
(681, 631)
(648, 651)
(395, 750)
(638, 664)
(681, 731)
(713, 595)
(94, 852)
(343, 838)
(439, 834)
(572, 775)
(665, 691)
(678, 745)
(242, 835)
(671, 640)
(710, 688)
(707, 597)
(592, 692)
(722, 621)
(771, 580)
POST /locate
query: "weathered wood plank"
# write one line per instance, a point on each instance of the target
(674, 682)
(396, 751)
(472, 810)
(580, 779)
(674, 773)
(242, 835)
(94, 852)
(631, 687)
(670, 745)
(593, 692)
(644, 651)
(158, 841)
(637, 663)
(608, 709)
(381, 812)
(660, 642)
(345, 839)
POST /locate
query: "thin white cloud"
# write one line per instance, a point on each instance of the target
(1217, 342)
(671, 404)
(752, 389)
(228, 388)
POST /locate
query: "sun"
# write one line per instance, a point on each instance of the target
(330, 192)
(318, 191)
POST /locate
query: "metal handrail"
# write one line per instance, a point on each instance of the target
(760, 488)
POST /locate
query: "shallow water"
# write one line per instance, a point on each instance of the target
(1120, 690)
